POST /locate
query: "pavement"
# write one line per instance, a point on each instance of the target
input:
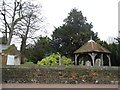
(60, 86)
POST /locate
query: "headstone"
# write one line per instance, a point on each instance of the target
(98, 62)
(82, 63)
(87, 63)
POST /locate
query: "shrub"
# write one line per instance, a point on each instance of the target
(54, 60)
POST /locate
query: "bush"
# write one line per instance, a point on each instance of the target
(55, 59)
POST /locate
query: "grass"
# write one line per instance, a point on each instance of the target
(28, 63)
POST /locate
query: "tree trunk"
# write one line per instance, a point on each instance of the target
(10, 37)
(23, 45)
(24, 39)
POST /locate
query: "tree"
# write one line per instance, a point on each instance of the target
(26, 29)
(22, 19)
(40, 50)
(3, 40)
(73, 34)
(115, 51)
(10, 16)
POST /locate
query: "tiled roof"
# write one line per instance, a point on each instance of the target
(92, 46)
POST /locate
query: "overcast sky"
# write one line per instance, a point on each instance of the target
(102, 13)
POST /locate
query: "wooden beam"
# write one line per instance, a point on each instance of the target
(76, 56)
(93, 55)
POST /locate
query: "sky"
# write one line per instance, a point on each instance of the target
(102, 13)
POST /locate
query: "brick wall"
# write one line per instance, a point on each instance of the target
(59, 74)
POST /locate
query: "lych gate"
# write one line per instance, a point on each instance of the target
(92, 49)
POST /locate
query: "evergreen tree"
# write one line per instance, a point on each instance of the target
(40, 50)
(73, 34)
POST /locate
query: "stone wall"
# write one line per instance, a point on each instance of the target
(3, 59)
(60, 74)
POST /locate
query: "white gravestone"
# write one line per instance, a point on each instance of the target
(81, 63)
(98, 62)
(87, 63)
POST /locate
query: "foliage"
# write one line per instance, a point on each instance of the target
(73, 34)
(3, 40)
(66, 61)
(38, 51)
(115, 51)
(55, 59)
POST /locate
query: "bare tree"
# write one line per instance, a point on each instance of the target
(10, 16)
(26, 29)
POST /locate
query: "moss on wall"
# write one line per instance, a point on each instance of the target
(60, 74)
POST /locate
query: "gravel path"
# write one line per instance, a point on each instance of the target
(59, 86)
